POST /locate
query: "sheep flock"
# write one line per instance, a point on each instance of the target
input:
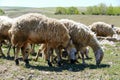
(53, 35)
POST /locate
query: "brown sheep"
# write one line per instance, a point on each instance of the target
(102, 29)
(5, 25)
(35, 28)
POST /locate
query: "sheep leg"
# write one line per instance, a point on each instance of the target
(25, 55)
(33, 48)
(14, 51)
(58, 52)
(37, 55)
(16, 55)
(78, 56)
(1, 52)
(48, 56)
(64, 53)
(8, 52)
(41, 48)
(53, 58)
(83, 60)
(86, 53)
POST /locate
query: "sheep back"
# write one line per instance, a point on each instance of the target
(5, 25)
(80, 33)
(37, 28)
(102, 29)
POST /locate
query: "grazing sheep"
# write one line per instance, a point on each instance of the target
(83, 37)
(5, 25)
(102, 29)
(35, 28)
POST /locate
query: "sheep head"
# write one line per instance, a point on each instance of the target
(99, 56)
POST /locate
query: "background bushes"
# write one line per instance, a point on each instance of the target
(1, 12)
(70, 10)
(100, 9)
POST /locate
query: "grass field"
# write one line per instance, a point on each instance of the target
(108, 70)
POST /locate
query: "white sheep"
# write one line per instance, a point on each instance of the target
(37, 28)
(82, 37)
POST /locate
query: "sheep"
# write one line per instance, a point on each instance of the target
(82, 37)
(5, 25)
(102, 29)
(36, 28)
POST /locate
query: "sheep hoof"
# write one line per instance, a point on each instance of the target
(26, 61)
(98, 64)
(72, 61)
(59, 63)
(17, 62)
(49, 63)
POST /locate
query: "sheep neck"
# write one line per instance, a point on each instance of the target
(94, 44)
